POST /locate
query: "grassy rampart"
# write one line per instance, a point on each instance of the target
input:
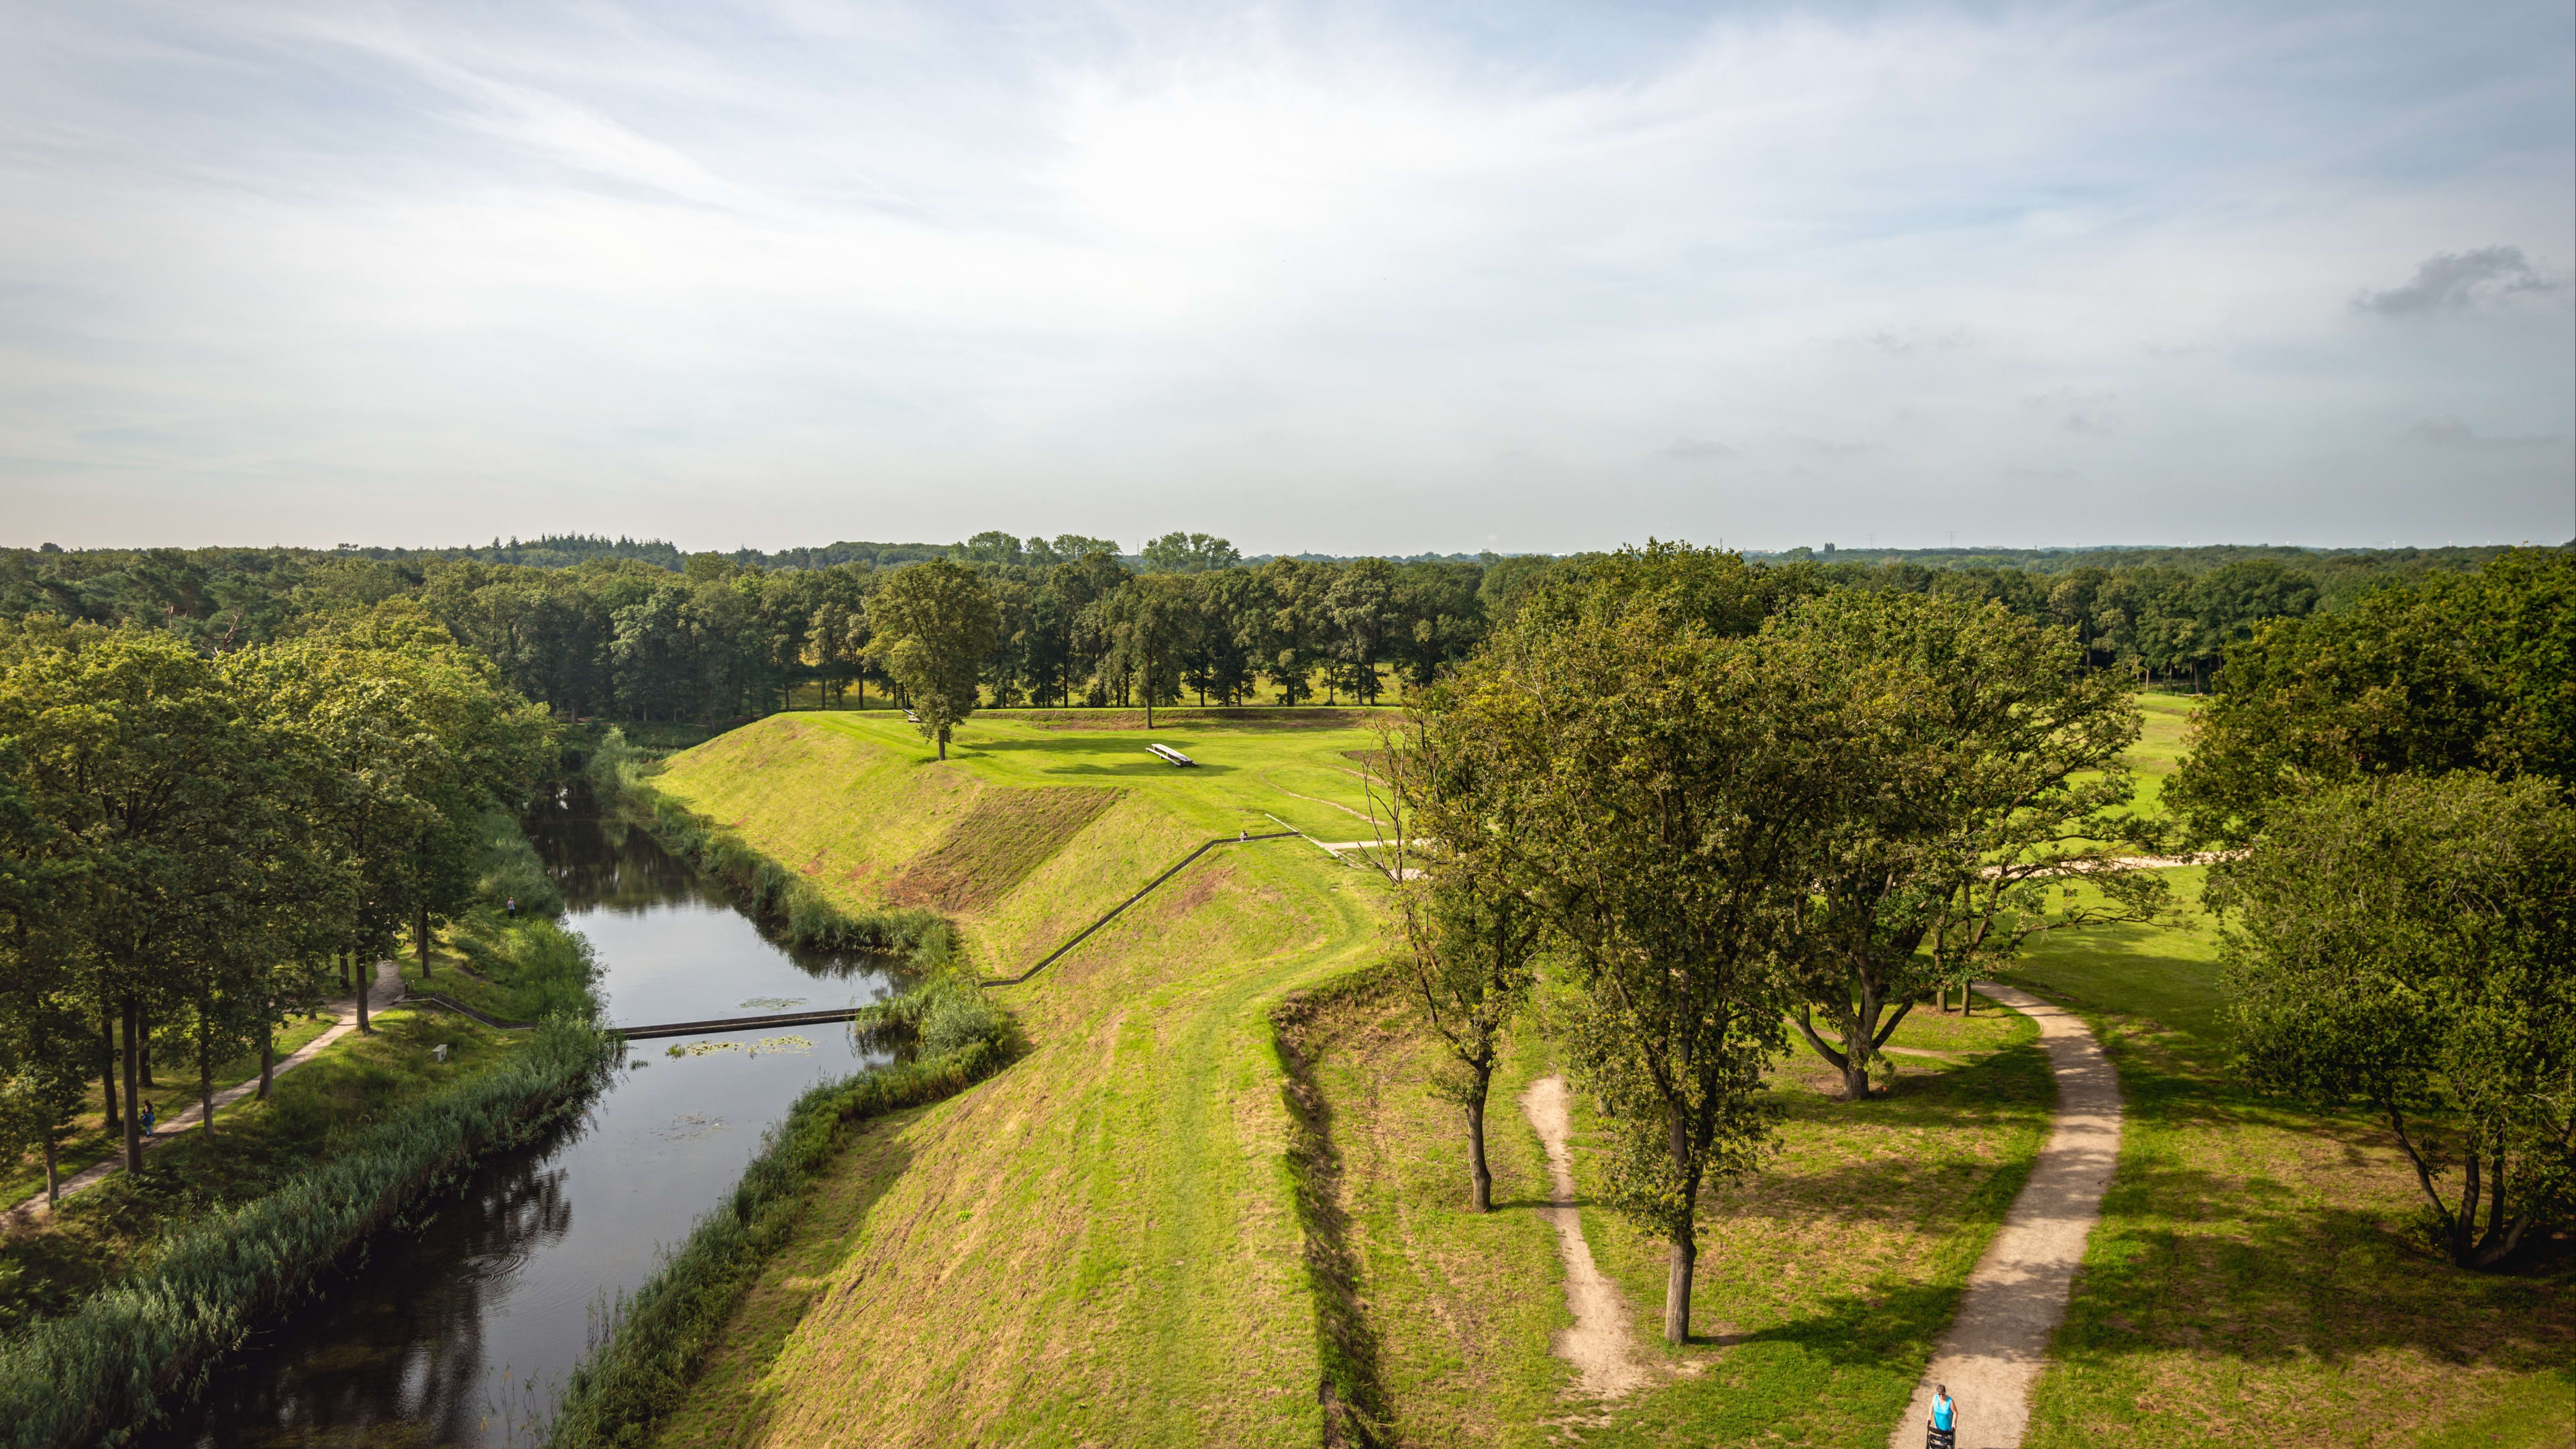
(1101, 1244)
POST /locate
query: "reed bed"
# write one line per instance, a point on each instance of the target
(136, 1349)
(658, 1337)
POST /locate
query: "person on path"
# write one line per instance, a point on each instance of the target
(514, 908)
(1945, 1419)
(147, 1119)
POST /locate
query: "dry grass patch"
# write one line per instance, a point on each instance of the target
(1002, 837)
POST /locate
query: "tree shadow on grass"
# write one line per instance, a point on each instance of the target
(2251, 1268)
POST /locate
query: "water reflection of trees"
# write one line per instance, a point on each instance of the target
(392, 1353)
(611, 865)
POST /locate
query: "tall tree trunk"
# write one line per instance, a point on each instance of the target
(1683, 1260)
(361, 973)
(133, 1091)
(2465, 1221)
(107, 1063)
(205, 1071)
(420, 934)
(1483, 1201)
(53, 1175)
(1678, 1271)
(267, 1057)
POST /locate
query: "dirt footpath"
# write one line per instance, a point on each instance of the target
(1996, 1346)
(1598, 1345)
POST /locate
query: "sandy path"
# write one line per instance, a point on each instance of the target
(1598, 1345)
(1997, 1345)
(387, 990)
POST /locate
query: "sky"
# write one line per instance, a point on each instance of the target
(1345, 278)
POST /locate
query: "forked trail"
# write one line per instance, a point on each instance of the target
(2015, 1299)
(1598, 1345)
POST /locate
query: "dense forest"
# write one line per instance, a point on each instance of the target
(597, 627)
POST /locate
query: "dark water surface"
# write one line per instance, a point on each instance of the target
(463, 1331)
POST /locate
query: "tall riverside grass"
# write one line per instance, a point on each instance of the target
(785, 899)
(140, 1347)
(661, 1335)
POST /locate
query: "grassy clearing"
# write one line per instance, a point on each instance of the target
(522, 972)
(2250, 1283)
(1100, 1245)
(108, 1231)
(1461, 1306)
(2167, 719)
(1825, 1281)
(1822, 1287)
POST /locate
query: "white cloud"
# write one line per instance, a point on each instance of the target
(1316, 278)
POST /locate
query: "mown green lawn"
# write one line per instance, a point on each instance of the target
(1303, 769)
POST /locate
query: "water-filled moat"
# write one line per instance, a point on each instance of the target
(462, 1330)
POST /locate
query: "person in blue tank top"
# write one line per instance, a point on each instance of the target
(1945, 1415)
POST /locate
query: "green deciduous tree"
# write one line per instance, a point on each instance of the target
(1149, 625)
(1647, 789)
(1472, 942)
(139, 750)
(1189, 553)
(2410, 943)
(934, 624)
(2456, 671)
(1993, 767)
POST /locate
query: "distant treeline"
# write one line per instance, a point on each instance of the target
(595, 626)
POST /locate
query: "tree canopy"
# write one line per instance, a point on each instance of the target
(2409, 943)
(2458, 671)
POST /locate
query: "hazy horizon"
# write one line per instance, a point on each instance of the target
(1326, 278)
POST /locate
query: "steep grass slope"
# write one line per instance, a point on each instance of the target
(1099, 1246)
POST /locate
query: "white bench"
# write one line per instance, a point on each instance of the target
(1172, 755)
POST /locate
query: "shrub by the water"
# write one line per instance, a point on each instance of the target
(662, 1333)
(542, 969)
(134, 1350)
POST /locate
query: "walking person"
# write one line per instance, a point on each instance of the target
(147, 1119)
(514, 908)
(1944, 1433)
